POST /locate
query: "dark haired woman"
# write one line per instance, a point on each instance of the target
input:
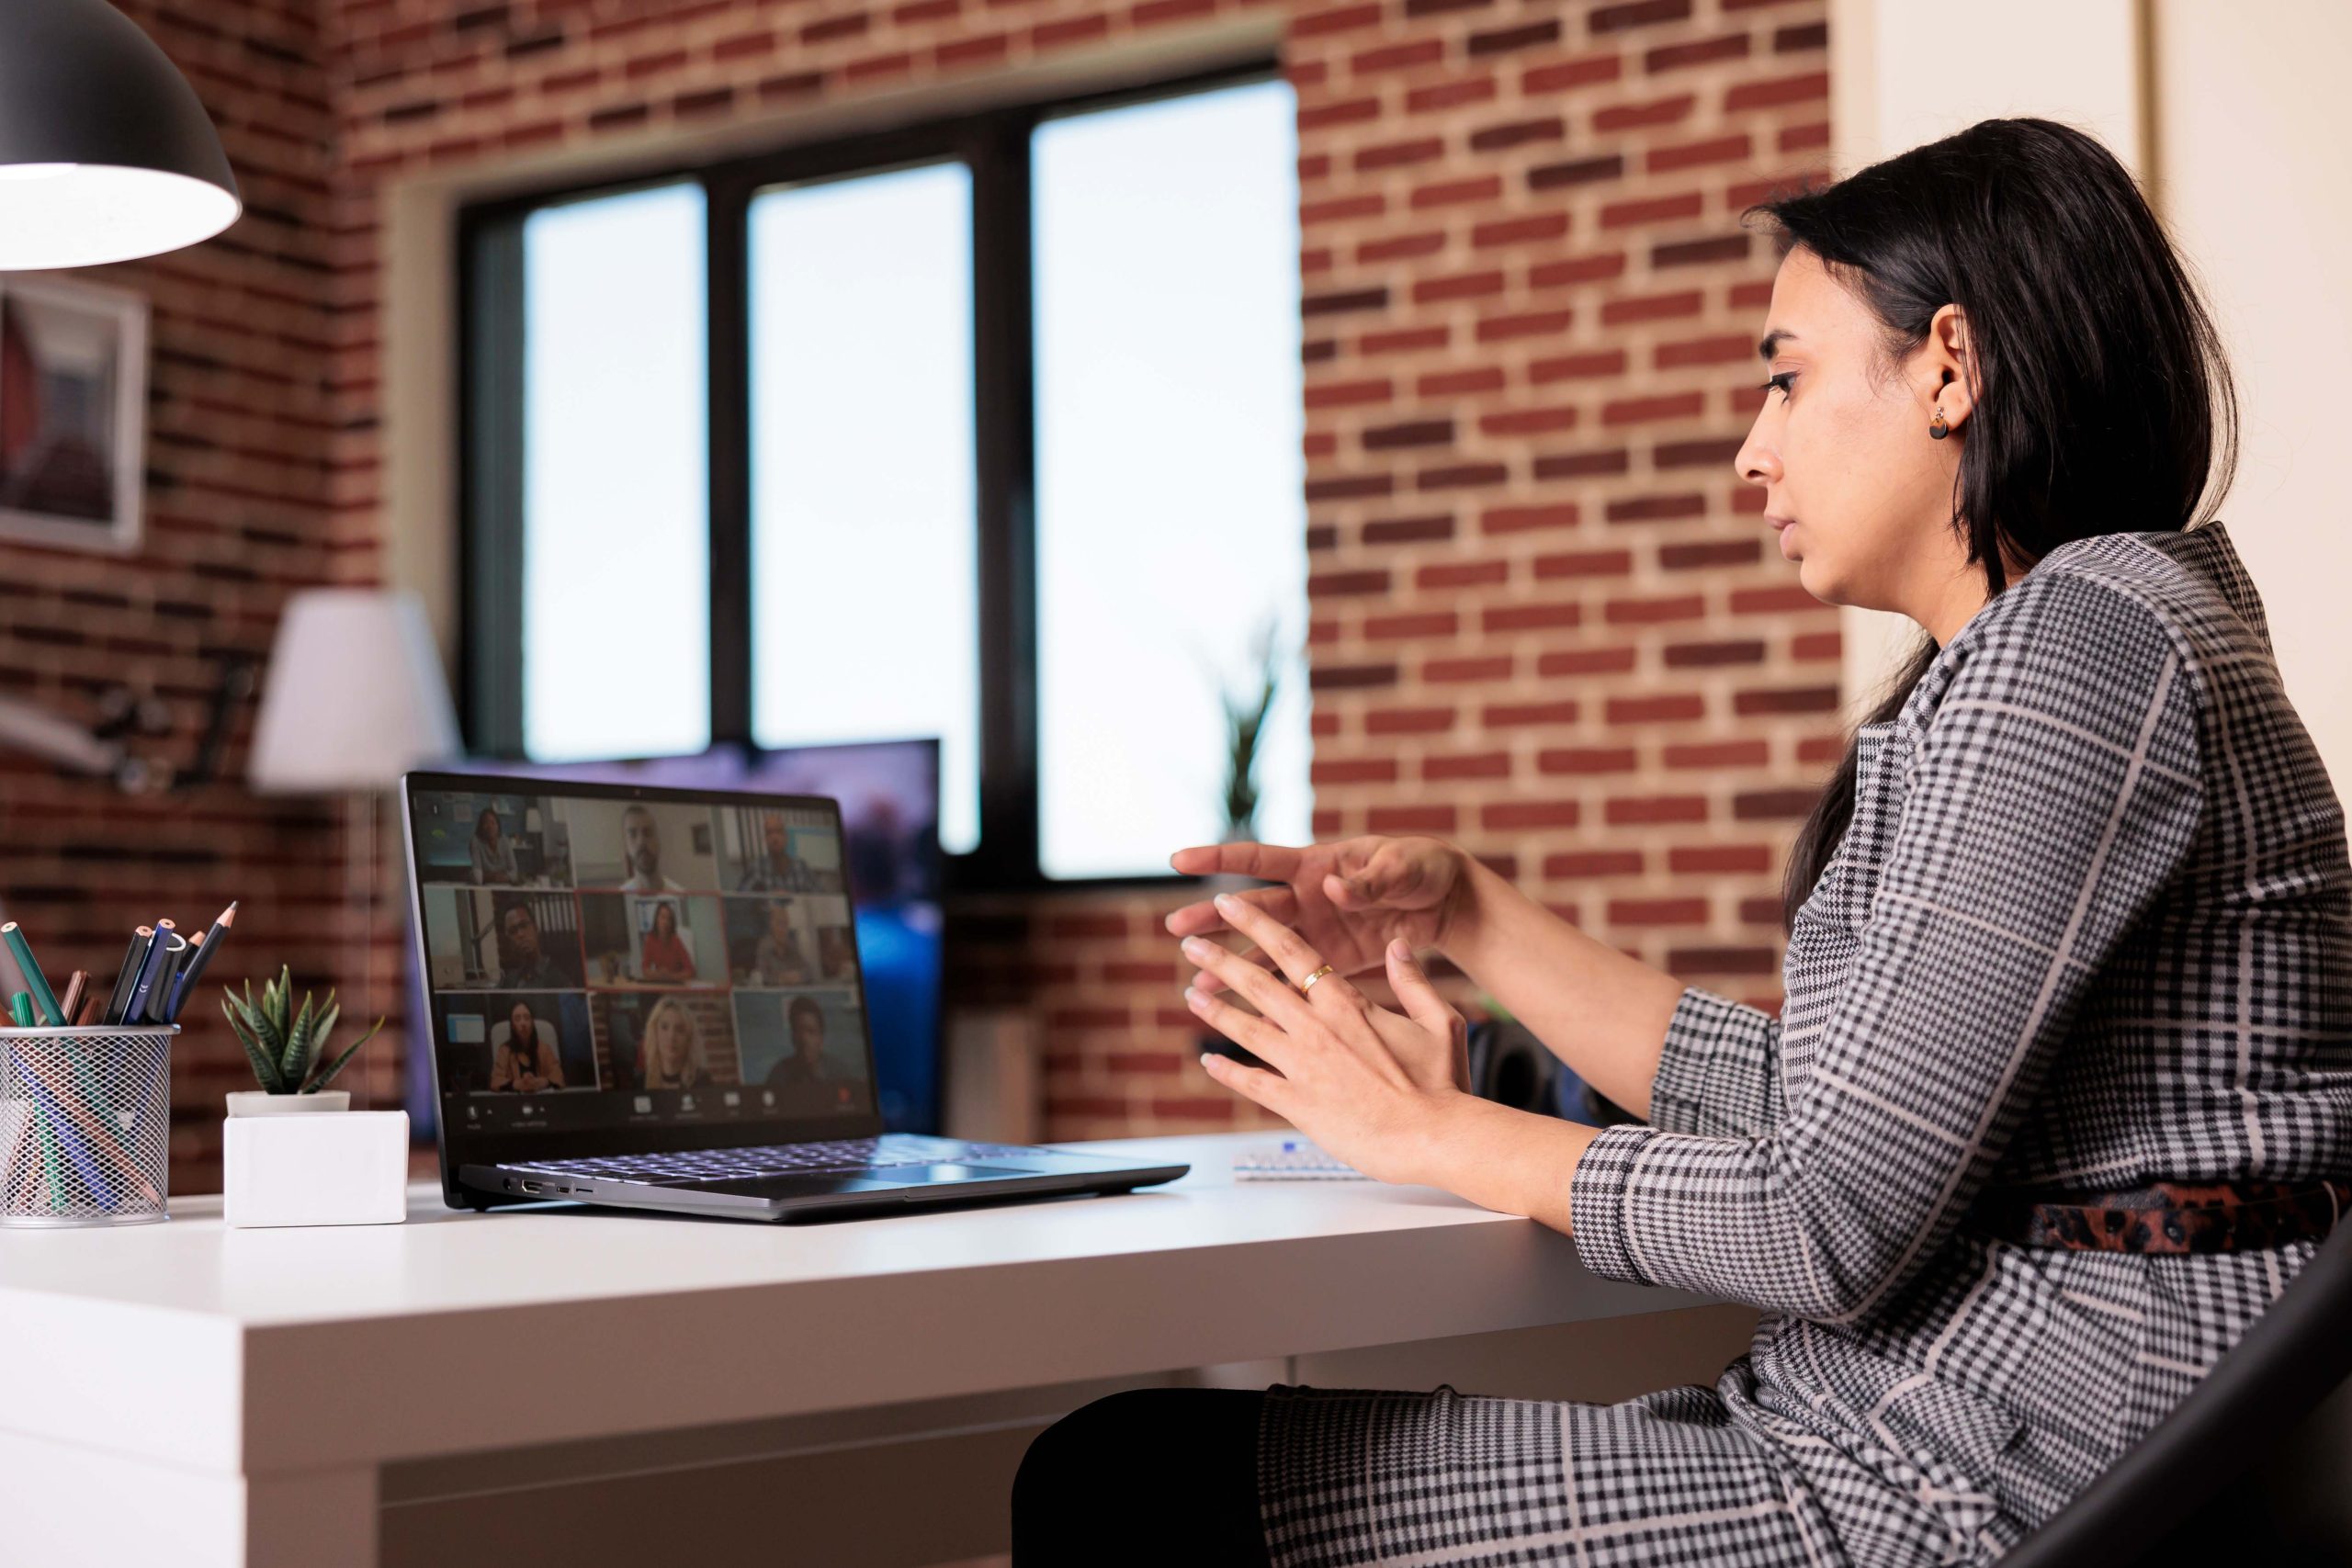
(524, 1063)
(490, 851)
(2068, 932)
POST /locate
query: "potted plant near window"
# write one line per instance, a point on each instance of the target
(281, 1166)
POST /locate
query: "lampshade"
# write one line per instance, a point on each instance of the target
(354, 697)
(104, 152)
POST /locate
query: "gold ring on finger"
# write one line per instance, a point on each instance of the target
(1306, 985)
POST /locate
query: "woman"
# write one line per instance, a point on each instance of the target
(671, 1056)
(492, 853)
(2069, 922)
(524, 1063)
(664, 956)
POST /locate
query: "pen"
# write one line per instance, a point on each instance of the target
(159, 941)
(147, 1001)
(20, 1007)
(36, 982)
(206, 945)
(124, 981)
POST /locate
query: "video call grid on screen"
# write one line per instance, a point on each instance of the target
(663, 958)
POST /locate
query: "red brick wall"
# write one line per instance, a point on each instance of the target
(239, 434)
(1545, 622)
(1543, 618)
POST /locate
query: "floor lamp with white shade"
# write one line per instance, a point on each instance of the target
(354, 697)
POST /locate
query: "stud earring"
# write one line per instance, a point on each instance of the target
(1940, 429)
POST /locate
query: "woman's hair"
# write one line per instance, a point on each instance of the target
(2100, 382)
(524, 1043)
(666, 907)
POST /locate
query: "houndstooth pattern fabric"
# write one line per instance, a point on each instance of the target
(2091, 925)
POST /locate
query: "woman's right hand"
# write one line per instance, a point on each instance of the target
(1347, 899)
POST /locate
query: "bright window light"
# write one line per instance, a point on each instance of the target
(1171, 518)
(863, 493)
(615, 508)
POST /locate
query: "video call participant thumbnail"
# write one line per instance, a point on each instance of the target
(527, 958)
(662, 955)
(791, 1041)
(641, 848)
(524, 1055)
(531, 1042)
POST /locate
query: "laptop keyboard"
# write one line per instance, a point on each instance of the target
(775, 1159)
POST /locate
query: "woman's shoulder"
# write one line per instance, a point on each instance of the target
(2102, 622)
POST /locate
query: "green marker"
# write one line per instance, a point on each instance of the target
(21, 1007)
(33, 976)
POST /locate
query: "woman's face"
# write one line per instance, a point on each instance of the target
(672, 1039)
(1841, 450)
(809, 1034)
(487, 826)
(524, 1028)
(665, 922)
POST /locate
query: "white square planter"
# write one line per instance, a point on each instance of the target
(340, 1168)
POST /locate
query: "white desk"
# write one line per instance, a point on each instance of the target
(187, 1393)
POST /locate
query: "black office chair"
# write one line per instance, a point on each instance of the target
(2190, 1489)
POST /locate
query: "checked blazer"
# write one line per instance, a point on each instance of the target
(2090, 926)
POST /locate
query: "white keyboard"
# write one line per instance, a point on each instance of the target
(1293, 1160)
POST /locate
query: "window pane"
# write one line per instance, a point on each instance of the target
(1170, 517)
(616, 498)
(865, 597)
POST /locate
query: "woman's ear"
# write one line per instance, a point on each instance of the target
(1950, 367)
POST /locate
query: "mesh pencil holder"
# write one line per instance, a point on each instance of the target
(86, 1122)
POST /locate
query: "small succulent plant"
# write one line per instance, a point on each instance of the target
(286, 1044)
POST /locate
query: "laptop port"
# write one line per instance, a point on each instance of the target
(533, 1187)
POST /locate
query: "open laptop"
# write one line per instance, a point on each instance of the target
(652, 998)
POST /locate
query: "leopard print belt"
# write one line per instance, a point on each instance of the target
(2167, 1216)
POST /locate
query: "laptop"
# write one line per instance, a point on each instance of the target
(651, 997)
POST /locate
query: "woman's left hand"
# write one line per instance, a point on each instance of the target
(1372, 1087)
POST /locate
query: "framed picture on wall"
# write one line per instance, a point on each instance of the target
(72, 414)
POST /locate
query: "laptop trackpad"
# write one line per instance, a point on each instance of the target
(817, 1183)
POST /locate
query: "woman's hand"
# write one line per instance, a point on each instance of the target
(1348, 901)
(1373, 1086)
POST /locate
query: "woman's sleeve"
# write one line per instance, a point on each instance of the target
(1719, 1071)
(2052, 796)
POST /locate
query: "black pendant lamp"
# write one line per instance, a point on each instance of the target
(104, 152)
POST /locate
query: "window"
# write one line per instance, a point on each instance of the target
(989, 430)
(864, 502)
(615, 612)
(1167, 313)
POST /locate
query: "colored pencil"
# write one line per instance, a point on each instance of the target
(35, 981)
(206, 944)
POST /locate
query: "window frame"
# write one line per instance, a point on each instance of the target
(994, 144)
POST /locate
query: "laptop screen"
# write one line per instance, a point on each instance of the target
(602, 957)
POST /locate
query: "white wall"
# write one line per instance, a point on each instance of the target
(2251, 125)
(1902, 72)
(2234, 121)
